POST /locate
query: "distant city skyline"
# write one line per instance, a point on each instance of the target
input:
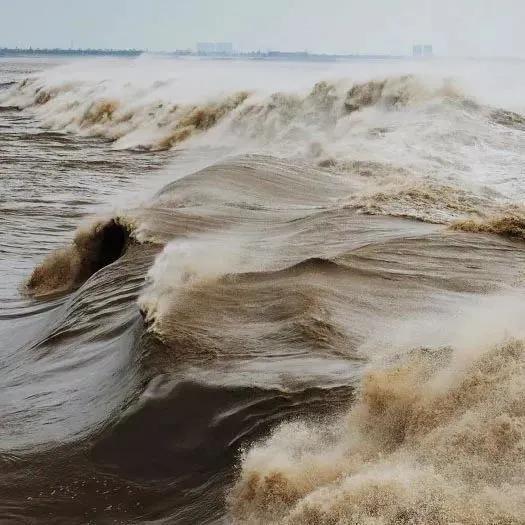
(200, 48)
(203, 49)
(454, 28)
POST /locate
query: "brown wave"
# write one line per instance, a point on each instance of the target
(369, 93)
(43, 97)
(92, 248)
(436, 439)
(510, 224)
(167, 124)
(201, 118)
(326, 104)
(104, 116)
(99, 111)
(364, 168)
(423, 200)
(509, 119)
(394, 92)
(399, 192)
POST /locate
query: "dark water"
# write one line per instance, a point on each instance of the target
(143, 373)
(86, 437)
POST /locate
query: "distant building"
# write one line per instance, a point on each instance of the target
(224, 48)
(419, 50)
(205, 48)
(214, 48)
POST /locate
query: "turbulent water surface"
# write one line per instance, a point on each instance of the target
(262, 293)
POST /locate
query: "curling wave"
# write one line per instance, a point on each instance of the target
(93, 247)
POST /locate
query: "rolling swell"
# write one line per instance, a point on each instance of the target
(253, 329)
(155, 461)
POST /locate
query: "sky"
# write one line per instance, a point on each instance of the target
(453, 27)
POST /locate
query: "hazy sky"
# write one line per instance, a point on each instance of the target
(454, 27)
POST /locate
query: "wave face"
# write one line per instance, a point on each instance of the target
(261, 293)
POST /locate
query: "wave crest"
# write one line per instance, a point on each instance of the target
(423, 200)
(154, 119)
(394, 93)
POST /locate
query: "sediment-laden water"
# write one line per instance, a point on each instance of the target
(257, 293)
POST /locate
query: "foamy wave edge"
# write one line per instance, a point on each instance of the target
(137, 119)
(436, 437)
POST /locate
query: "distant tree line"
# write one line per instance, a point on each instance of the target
(6, 51)
(261, 55)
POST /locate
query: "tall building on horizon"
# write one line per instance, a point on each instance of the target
(205, 48)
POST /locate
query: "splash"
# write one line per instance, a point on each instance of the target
(435, 438)
(182, 264)
(201, 118)
(395, 93)
(510, 224)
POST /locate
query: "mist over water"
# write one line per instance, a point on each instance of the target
(256, 292)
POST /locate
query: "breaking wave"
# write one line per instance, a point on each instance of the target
(417, 146)
(182, 264)
(141, 121)
(437, 437)
(510, 224)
